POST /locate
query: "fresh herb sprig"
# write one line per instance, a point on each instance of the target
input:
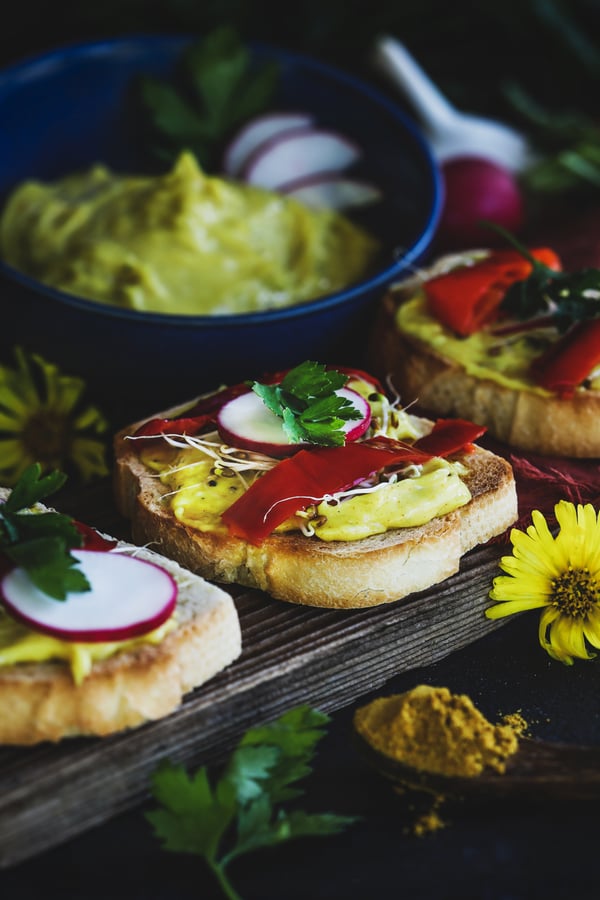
(567, 148)
(306, 401)
(241, 812)
(564, 297)
(39, 542)
(219, 88)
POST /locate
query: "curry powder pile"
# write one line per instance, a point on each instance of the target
(432, 730)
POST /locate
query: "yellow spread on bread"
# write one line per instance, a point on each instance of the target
(20, 644)
(199, 491)
(505, 359)
(407, 503)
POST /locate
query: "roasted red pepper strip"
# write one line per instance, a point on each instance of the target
(198, 417)
(303, 479)
(204, 412)
(449, 436)
(569, 362)
(467, 298)
(91, 539)
(309, 475)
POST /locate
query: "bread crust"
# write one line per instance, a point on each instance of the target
(337, 574)
(528, 420)
(41, 702)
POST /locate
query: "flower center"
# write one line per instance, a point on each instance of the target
(46, 437)
(575, 592)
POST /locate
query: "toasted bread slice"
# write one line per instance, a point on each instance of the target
(305, 570)
(41, 702)
(522, 417)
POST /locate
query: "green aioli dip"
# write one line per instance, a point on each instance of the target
(182, 243)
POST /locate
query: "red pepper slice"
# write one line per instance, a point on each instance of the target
(198, 417)
(306, 478)
(204, 412)
(309, 475)
(449, 436)
(467, 298)
(91, 539)
(569, 362)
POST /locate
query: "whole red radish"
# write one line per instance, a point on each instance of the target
(477, 189)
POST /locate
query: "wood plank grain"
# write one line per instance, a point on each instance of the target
(291, 655)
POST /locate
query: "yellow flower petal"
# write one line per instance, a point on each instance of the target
(88, 455)
(510, 607)
(566, 638)
(521, 583)
(42, 410)
(591, 628)
(560, 574)
(535, 554)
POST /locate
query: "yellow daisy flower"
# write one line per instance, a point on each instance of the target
(44, 418)
(560, 575)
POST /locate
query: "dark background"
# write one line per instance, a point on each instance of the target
(471, 49)
(530, 849)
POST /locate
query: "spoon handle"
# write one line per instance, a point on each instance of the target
(394, 60)
(537, 769)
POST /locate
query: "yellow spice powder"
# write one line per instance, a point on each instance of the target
(430, 729)
(517, 722)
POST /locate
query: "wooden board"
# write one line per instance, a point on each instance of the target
(291, 655)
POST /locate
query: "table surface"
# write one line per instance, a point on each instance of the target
(510, 851)
(520, 850)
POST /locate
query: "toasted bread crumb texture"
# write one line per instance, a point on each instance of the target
(40, 702)
(549, 425)
(338, 574)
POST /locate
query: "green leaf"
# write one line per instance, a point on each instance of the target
(256, 94)
(216, 68)
(49, 565)
(256, 831)
(249, 768)
(39, 541)
(219, 88)
(567, 145)
(32, 487)
(172, 113)
(306, 401)
(193, 819)
(296, 735)
(268, 760)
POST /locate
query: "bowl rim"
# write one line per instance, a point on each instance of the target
(61, 55)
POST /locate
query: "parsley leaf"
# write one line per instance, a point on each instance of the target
(219, 88)
(239, 813)
(306, 401)
(562, 297)
(567, 144)
(39, 542)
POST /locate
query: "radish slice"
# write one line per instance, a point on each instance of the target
(328, 190)
(247, 423)
(299, 154)
(257, 132)
(128, 597)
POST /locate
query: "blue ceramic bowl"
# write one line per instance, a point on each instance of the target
(69, 108)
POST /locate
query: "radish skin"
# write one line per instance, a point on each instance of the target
(478, 190)
(257, 132)
(247, 423)
(128, 597)
(298, 154)
(327, 190)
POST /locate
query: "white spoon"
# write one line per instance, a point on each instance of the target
(450, 132)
